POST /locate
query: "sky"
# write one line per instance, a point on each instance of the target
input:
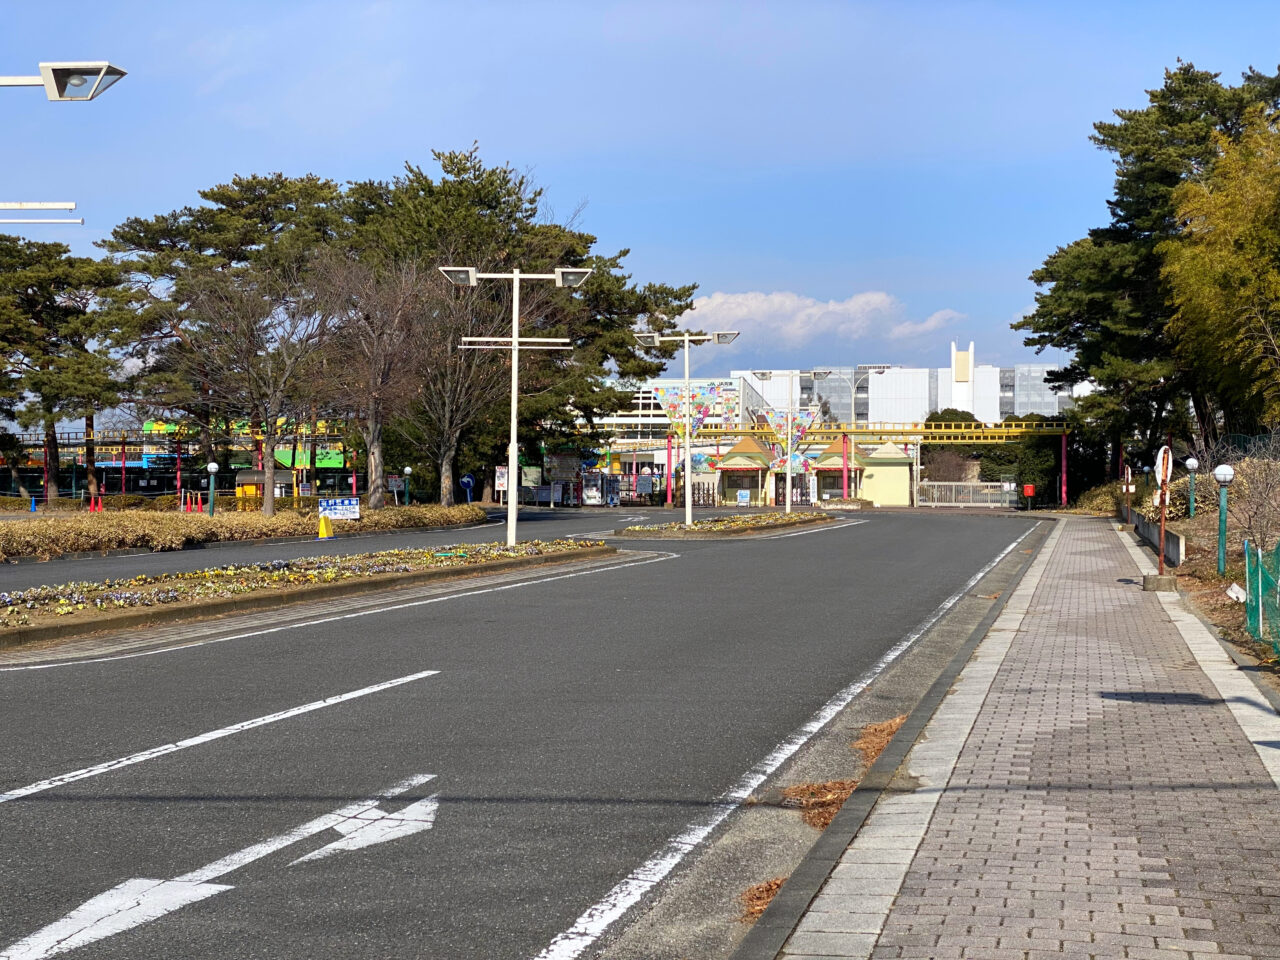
(846, 182)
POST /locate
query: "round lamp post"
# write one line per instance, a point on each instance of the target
(213, 484)
(408, 472)
(1224, 473)
(1192, 465)
(1146, 480)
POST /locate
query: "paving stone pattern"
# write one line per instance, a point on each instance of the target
(1106, 802)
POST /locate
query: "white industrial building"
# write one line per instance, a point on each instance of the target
(890, 393)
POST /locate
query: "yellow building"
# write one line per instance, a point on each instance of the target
(886, 476)
(743, 474)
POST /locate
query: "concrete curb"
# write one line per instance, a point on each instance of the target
(770, 933)
(273, 599)
(626, 533)
(215, 544)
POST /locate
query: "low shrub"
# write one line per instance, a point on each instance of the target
(51, 536)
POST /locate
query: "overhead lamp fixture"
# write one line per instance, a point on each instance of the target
(571, 276)
(70, 80)
(460, 276)
(646, 339)
(725, 336)
(762, 374)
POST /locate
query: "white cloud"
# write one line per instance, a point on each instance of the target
(787, 320)
(935, 321)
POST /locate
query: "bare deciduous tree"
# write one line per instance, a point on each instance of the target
(370, 373)
(255, 343)
(1253, 499)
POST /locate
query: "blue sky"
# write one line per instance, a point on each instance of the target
(846, 182)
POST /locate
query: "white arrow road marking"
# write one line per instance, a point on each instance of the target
(372, 825)
(58, 781)
(138, 901)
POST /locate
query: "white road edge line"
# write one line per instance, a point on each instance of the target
(343, 616)
(825, 528)
(593, 923)
(168, 748)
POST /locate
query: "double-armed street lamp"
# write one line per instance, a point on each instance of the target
(62, 82)
(791, 376)
(1224, 473)
(687, 338)
(468, 277)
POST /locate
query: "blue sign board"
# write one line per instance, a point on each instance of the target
(340, 508)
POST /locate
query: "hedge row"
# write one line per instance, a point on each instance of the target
(51, 536)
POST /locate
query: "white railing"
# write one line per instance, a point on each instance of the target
(944, 494)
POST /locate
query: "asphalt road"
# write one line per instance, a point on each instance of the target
(574, 725)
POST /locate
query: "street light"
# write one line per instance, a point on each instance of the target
(1192, 465)
(70, 81)
(468, 277)
(62, 82)
(1224, 473)
(213, 484)
(408, 472)
(652, 340)
(791, 375)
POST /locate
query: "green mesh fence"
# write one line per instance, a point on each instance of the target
(1262, 609)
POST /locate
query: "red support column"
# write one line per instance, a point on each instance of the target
(670, 473)
(1064, 469)
(844, 458)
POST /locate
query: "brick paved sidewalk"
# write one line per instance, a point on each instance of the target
(1087, 789)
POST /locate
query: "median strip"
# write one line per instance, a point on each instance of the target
(76, 609)
(739, 524)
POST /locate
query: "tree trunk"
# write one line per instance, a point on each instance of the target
(16, 477)
(269, 475)
(90, 456)
(376, 466)
(486, 494)
(446, 475)
(51, 462)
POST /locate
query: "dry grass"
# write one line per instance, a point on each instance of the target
(818, 803)
(50, 536)
(756, 899)
(875, 737)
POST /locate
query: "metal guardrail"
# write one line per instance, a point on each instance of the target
(932, 493)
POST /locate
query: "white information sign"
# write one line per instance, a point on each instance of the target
(744, 498)
(1164, 465)
(500, 478)
(340, 508)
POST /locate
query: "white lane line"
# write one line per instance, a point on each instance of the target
(593, 923)
(824, 528)
(168, 748)
(344, 616)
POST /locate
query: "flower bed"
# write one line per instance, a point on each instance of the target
(43, 604)
(47, 537)
(736, 523)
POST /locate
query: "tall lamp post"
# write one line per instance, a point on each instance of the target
(63, 82)
(1192, 465)
(687, 338)
(791, 376)
(408, 472)
(467, 277)
(213, 483)
(1224, 473)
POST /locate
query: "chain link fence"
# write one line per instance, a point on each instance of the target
(1262, 607)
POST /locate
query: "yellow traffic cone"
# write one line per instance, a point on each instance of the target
(326, 529)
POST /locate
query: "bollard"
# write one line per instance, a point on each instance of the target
(33, 504)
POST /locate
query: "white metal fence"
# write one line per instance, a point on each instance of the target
(942, 494)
